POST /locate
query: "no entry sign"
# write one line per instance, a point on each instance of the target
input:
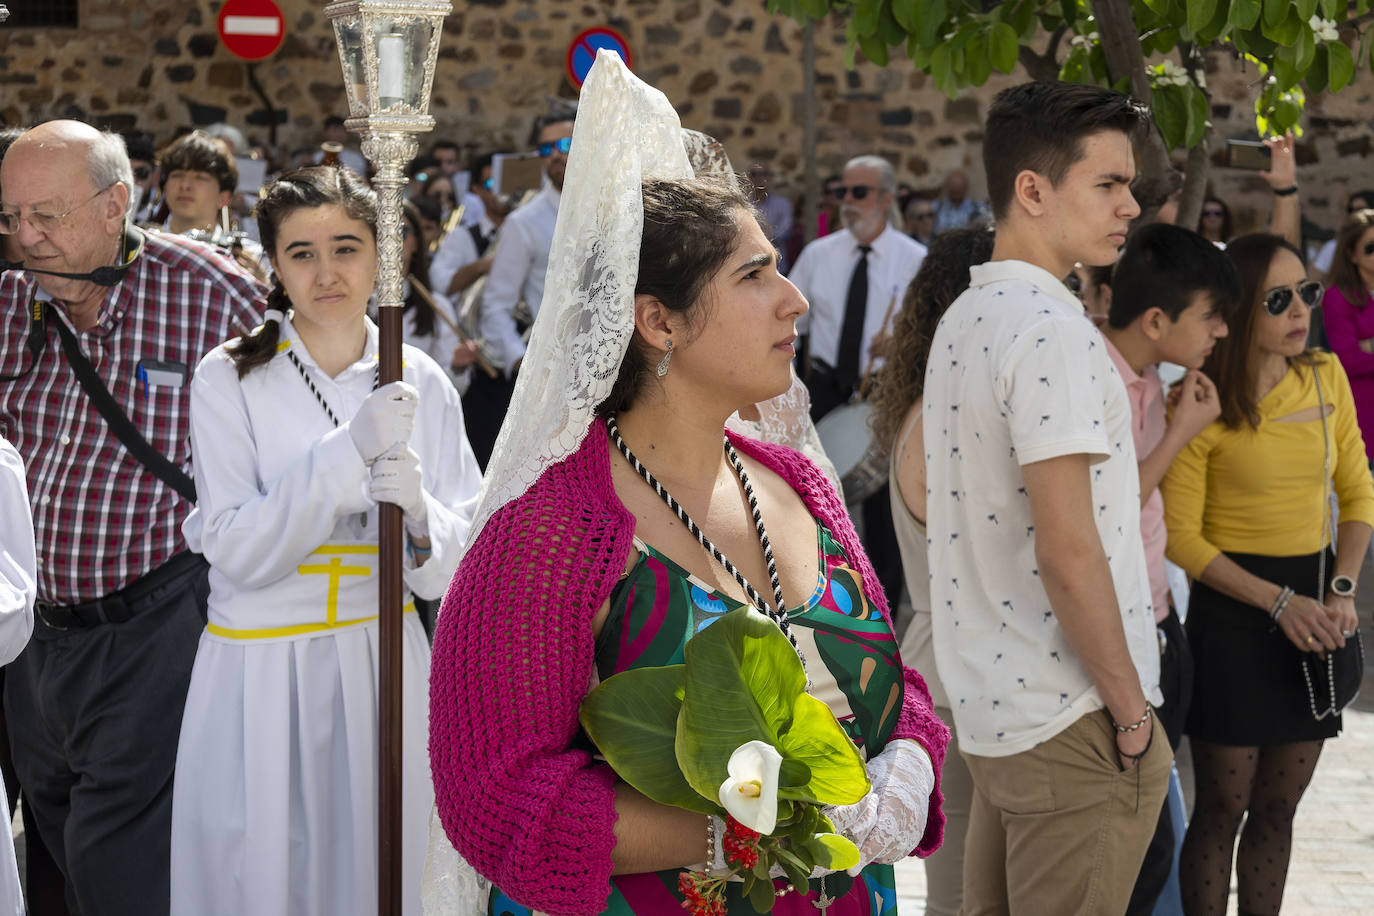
(582, 51)
(251, 29)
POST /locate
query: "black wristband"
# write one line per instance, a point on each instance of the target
(1148, 742)
(1286, 192)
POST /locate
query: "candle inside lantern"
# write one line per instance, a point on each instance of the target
(391, 54)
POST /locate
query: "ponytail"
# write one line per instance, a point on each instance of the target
(250, 351)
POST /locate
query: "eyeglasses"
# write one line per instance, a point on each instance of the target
(859, 191)
(1277, 301)
(562, 144)
(46, 223)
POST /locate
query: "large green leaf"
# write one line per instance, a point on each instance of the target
(833, 851)
(1197, 116)
(866, 16)
(1340, 66)
(632, 719)
(874, 48)
(1244, 13)
(979, 60)
(743, 679)
(1003, 46)
(838, 775)
(1319, 73)
(929, 23)
(1275, 11)
(1286, 32)
(1171, 114)
(905, 12)
(1200, 12)
(1306, 51)
(1305, 8)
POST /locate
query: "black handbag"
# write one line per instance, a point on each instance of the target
(1333, 682)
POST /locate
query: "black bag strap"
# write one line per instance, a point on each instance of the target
(119, 422)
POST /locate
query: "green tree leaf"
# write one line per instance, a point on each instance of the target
(1319, 73)
(632, 719)
(1306, 51)
(761, 896)
(866, 17)
(1340, 66)
(1286, 32)
(979, 60)
(1200, 12)
(1244, 13)
(930, 22)
(874, 49)
(1171, 114)
(1275, 11)
(1003, 47)
(1305, 8)
(904, 11)
(1197, 116)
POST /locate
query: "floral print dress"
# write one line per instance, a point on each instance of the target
(852, 659)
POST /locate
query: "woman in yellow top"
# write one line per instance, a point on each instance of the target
(1248, 518)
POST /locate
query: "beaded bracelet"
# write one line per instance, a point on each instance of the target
(710, 843)
(1134, 726)
(1281, 602)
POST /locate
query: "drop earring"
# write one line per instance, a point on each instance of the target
(663, 363)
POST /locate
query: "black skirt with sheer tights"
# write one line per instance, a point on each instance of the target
(1248, 688)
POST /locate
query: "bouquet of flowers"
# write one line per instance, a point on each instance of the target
(733, 733)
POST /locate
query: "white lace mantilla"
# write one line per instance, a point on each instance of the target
(626, 131)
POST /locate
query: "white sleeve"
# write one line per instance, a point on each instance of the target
(18, 558)
(255, 531)
(1327, 254)
(456, 251)
(888, 822)
(510, 265)
(451, 480)
(1052, 391)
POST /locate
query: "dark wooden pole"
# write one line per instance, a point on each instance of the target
(391, 543)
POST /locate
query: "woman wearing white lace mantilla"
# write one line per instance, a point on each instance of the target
(274, 806)
(665, 315)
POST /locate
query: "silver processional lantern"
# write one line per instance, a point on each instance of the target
(388, 49)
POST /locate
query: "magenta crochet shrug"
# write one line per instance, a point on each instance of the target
(514, 656)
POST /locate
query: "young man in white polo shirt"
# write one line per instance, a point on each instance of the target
(1043, 625)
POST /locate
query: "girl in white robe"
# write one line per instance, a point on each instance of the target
(18, 588)
(275, 802)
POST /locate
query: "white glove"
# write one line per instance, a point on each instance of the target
(396, 479)
(385, 420)
(888, 822)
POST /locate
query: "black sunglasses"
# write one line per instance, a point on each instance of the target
(1369, 248)
(860, 191)
(1277, 301)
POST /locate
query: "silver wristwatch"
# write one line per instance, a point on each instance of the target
(1343, 587)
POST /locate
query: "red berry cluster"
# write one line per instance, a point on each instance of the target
(701, 894)
(740, 844)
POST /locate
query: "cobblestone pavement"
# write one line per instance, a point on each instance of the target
(1332, 869)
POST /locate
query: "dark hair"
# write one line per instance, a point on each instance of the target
(421, 163)
(441, 144)
(1229, 366)
(568, 114)
(690, 228)
(422, 316)
(1366, 196)
(1226, 227)
(335, 121)
(429, 207)
(140, 145)
(198, 152)
(301, 189)
(1345, 276)
(1039, 126)
(1165, 267)
(479, 163)
(943, 275)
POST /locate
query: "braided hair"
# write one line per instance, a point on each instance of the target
(308, 188)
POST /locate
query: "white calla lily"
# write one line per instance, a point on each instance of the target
(750, 792)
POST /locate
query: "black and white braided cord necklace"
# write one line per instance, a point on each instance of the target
(300, 367)
(778, 616)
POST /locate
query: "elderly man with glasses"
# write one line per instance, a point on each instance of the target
(94, 702)
(854, 281)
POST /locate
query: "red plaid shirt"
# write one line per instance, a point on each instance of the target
(100, 518)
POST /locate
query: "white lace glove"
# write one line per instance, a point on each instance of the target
(888, 822)
(385, 420)
(396, 479)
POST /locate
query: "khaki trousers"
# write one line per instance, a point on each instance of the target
(1060, 829)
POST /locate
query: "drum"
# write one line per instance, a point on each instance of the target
(847, 439)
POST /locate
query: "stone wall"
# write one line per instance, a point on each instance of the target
(733, 71)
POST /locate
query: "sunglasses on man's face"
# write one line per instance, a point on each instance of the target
(1277, 301)
(859, 191)
(562, 144)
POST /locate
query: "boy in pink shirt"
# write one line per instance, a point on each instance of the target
(1170, 293)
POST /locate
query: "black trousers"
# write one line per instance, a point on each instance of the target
(94, 715)
(1176, 683)
(484, 410)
